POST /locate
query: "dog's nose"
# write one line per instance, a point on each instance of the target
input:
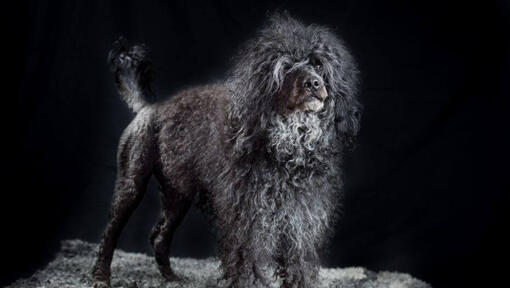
(313, 83)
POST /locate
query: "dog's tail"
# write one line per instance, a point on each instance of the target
(133, 73)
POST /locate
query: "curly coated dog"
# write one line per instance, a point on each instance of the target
(260, 151)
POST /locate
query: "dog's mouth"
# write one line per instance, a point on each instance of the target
(315, 100)
(318, 97)
(314, 104)
(303, 98)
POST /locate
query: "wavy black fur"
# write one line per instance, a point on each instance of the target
(262, 151)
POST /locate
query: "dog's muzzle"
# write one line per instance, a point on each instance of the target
(315, 86)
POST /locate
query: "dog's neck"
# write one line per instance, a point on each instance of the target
(299, 140)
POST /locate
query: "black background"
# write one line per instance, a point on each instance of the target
(424, 188)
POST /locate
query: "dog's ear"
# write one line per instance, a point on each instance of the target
(253, 84)
(347, 118)
(344, 83)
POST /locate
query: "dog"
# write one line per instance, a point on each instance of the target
(261, 151)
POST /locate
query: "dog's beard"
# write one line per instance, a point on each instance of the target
(295, 139)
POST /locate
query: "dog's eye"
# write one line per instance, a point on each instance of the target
(317, 65)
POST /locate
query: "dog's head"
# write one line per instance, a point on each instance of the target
(303, 87)
(291, 68)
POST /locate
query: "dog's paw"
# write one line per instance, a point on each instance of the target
(100, 284)
(170, 276)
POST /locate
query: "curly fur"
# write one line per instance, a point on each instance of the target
(270, 179)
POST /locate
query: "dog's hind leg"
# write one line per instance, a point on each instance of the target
(135, 161)
(174, 208)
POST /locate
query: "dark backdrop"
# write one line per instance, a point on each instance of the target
(424, 192)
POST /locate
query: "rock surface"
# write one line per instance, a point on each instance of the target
(71, 269)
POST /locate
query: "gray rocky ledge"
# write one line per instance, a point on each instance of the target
(71, 269)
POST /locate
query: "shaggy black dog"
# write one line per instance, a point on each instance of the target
(262, 151)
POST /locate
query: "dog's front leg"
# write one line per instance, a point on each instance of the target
(244, 267)
(300, 272)
(245, 262)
